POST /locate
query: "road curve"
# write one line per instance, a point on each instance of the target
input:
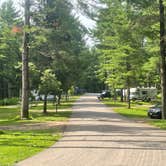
(96, 136)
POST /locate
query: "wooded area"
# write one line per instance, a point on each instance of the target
(49, 39)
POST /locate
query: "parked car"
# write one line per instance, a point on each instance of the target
(104, 94)
(155, 112)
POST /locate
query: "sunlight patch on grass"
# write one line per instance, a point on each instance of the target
(158, 123)
(132, 113)
(18, 145)
(138, 111)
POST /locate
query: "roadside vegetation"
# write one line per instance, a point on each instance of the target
(138, 111)
(20, 139)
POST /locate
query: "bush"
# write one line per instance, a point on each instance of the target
(9, 101)
(159, 96)
(71, 91)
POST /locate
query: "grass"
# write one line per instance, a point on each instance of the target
(16, 145)
(138, 111)
(133, 112)
(158, 123)
(10, 115)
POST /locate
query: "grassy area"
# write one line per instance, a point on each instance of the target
(9, 115)
(19, 144)
(158, 123)
(138, 111)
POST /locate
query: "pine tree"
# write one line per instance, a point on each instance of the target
(25, 60)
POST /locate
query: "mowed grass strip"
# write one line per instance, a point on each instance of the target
(16, 145)
(138, 111)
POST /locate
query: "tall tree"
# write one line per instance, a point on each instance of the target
(60, 41)
(9, 49)
(120, 45)
(163, 56)
(25, 57)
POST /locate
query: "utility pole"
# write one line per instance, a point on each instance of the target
(25, 69)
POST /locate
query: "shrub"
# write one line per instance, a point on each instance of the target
(9, 101)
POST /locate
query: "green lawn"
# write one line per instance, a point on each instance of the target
(16, 145)
(138, 111)
(10, 115)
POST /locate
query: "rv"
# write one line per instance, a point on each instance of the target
(144, 94)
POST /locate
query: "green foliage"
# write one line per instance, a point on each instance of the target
(128, 33)
(49, 83)
(57, 42)
(71, 91)
(9, 50)
(34, 76)
(9, 101)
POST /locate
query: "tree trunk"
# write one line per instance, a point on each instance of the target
(128, 84)
(163, 55)
(66, 96)
(115, 96)
(25, 54)
(45, 104)
(121, 95)
(9, 92)
(128, 97)
(59, 99)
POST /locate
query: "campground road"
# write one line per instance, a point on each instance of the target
(96, 136)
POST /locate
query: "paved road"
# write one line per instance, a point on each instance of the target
(96, 136)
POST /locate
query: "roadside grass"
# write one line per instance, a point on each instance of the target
(11, 115)
(17, 143)
(158, 123)
(132, 113)
(138, 111)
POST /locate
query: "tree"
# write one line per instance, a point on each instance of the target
(163, 55)
(120, 45)
(60, 42)
(9, 49)
(49, 85)
(25, 60)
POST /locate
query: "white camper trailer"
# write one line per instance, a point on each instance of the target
(144, 94)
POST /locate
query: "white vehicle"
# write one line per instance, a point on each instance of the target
(144, 94)
(38, 97)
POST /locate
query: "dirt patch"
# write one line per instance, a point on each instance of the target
(36, 126)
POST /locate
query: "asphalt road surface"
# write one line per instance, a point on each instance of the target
(96, 136)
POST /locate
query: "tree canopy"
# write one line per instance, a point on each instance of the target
(129, 37)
